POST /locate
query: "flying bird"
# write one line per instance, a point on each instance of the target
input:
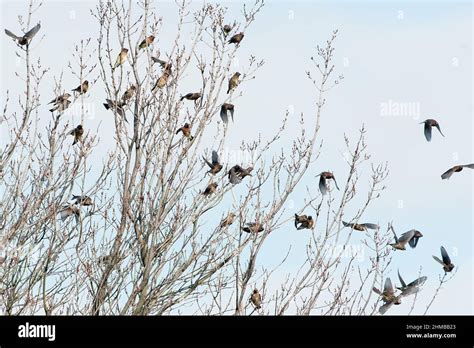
(116, 107)
(456, 169)
(82, 88)
(304, 222)
(166, 66)
(323, 186)
(82, 200)
(147, 42)
(26, 38)
(388, 296)
(226, 29)
(77, 133)
(256, 299)
(215, 166)
(253, 227)
(411, 237)
(237, 38)
(210, 189)
(61, 106)
(446, 262)
(225, 108)
(429, 123)
(186, 130)
(236, 174)
(60, 99)
(191, 96)
(233, 82)
(69, 210)
(228, 220)
(122, 57)
(411, 288)
(361, 227)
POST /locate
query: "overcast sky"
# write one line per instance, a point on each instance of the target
(414, 55)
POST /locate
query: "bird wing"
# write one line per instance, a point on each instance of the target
(427, 131)
(471, 166)
(224, 117)
(437, 259)
(445, 256)
(347, 224)
(322, 185)
(335, 182)
(30, 34)
(395, 235)
(388, 287)
(401, 280)
(385, 307)
(215, 157)
(233, 177)
(371, 226)
(232, 115)
(406, 237)
(9, 33)
(439, 129)
(377, 291)
(418, 282)
(447, 174)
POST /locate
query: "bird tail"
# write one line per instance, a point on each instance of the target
(345, 224)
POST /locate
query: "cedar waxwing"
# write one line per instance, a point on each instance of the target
(69, 210)
(116, 107)
(446, 262)
(233, 82)
(122, 57)
(304, 222)
(166, 66)
(237, 38)
(237, 173)
(210, 189)
(361, 227)
(226, 107)
(82, 200)
(455, 169)
(147, 42)
(388, 296)
(60, 107)
(428, 124)
(411, 237)
(82, 88)
(186, 129)
(60, 98)
(191, 96)
(323, 187)
(77, 133)
(161, 82)
(226, 29)
(25, 39)
(411, 288)
(128, 94)
(256, 299)
(228, 220)
(214, 165)
(253, 227)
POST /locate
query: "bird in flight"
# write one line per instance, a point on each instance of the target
(429, 123)
(26, 38)
(324, 176)
(225, 109)
(411, 237)
(456, 169)
(446, 260)
(186, 130)
(411, 288)
(236, 174)
(304, 222)
(253, 227)
(361, 227)
(77, 133)
(215, 166)
(388, 296)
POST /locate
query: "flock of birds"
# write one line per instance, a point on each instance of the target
(237, 173)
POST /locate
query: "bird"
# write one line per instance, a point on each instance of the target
(411, 237)
(186, 129)
(253, 227)
(82, 88)
(456, 169)
(237, 38)
(429, 123)
(361, 227)
(411, 288)
(191, 96)
(226, 29)
(161, 82)
(69, 210)
(233, 82)
(304, 222)
(388, 296)
(60, 99)
(146, 42)
(322, 181)
(121, 58)
(77, 133)
(210, 189)
(164, 64)
(256, 299)
(128, 94)
(446, 262)
(227, 107)
(82, 200)
(215, 166)
(115, 106)
(228, 220)
(26, 38)
(237, 173)
(61, 106)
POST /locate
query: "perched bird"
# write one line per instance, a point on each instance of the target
(411, 237)
(60, 99)
(429, 123)
(253, 227)
(388, 296)
(226, 107)
(210, 189)
(233, 82)
(237, 173)
(456, 169)
(82, 88)
(446, 262)
(146, 42)
(166, 66)
(25, 39)
(226, 29)
(361, 227)
(82, 200)
(69, 210)
(77, 133)
(304, 222)
(128, 94)
(237, 38)
(215, 166)
(61, 106)
(115, 106)
(186, 129)
(228, 220)
(122, 57)
(322, 181)
(191, 96)
(256, 299)
(161, 82)
(411, 288)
